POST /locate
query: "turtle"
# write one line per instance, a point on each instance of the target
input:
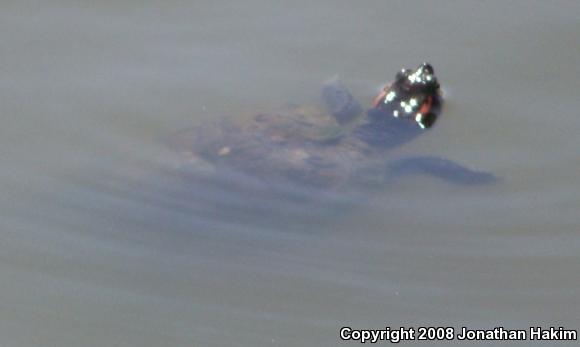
(335, 146)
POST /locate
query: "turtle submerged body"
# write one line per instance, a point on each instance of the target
(293, 144)
(336, 146)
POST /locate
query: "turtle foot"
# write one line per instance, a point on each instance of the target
(444, 169)
(340, 102)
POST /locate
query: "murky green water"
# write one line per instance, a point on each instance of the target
(93, 254)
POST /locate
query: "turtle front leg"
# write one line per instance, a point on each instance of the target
(444, 169)
(340, 102)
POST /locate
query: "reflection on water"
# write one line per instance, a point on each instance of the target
(102, 243)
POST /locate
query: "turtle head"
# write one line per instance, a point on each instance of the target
(413, 96)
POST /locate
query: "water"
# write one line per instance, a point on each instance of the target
(92, 255)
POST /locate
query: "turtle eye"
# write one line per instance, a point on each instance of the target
(402, 75)
(426, 67)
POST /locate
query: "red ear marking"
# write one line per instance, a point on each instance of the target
(426, 107)
(379, 98)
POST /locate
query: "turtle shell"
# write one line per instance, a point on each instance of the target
(298, 144)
